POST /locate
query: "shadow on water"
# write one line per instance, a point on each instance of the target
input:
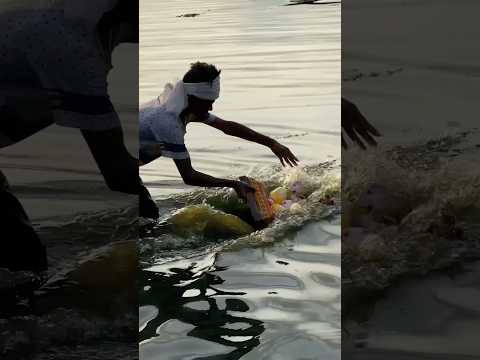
(177, 294)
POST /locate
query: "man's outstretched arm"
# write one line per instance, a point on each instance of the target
(195, 178)
(244, 132)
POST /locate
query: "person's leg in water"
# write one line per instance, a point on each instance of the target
(21, 248)
(119, 168)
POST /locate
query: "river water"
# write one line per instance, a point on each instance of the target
(273, 294)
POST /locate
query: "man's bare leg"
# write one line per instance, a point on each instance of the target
(21, 248)
(119, 168)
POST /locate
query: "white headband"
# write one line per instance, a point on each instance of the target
(176, 99)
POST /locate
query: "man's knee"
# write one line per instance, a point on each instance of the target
(17, 124)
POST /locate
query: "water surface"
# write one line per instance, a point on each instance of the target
(274, 294)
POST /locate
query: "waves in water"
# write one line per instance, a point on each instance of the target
(167, 240)
(249, 296)
(89, 300)
(273, 293)
(408, 210)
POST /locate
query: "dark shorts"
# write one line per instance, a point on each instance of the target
(51, 71)
(25, 116)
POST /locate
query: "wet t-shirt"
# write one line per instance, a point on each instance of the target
(162, 133)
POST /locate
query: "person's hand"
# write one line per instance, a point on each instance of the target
(284, 154)
(242, 189)
(356, 126)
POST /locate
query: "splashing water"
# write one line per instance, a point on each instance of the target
(408, 210)
(207, 219)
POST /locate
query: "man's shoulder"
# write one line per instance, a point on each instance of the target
(150, 104)
(153, 111)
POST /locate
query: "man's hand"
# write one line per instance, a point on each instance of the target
(284, 154)
(356, 126)
(242, 189)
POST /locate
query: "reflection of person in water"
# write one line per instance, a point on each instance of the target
(210, 324)
(54, 62)
(163, 124)
(356, 126)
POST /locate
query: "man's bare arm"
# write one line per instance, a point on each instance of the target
(193, 177)
(233, 128)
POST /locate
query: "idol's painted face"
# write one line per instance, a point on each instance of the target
(199, 107)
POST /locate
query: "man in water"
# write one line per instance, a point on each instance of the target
(163, 125)
(54, 67)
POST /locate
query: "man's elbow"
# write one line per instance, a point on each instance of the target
(229, 132)
(227, 127)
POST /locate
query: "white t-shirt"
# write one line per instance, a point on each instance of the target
(162, 133)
